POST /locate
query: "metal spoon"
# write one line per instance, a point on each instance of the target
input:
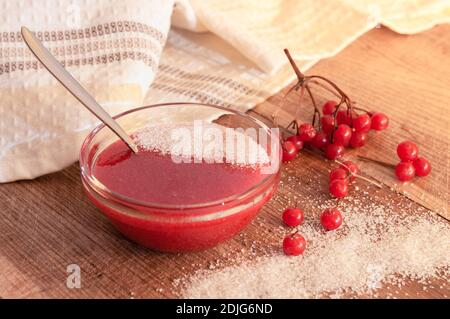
(73, 86)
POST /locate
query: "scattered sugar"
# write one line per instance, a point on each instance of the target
(376, 246)
(205, 141)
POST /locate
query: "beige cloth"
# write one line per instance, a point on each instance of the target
(222, 52)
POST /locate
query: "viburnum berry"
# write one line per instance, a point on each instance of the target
(351, 168)
(407, 151)
(327, 122)
(331, 218)
(289, 151)
(343, 113)
(358, 139)
(342, 117)
(339, 188)
(338, 173)
(294, 245)
(293, 217)
(306, 132)
(380, 121)
(329, 107)
(320, 140)
(422, 166)
(295, 139)
(362, 123)
(342, 135)
(334, 151)
(405, 171)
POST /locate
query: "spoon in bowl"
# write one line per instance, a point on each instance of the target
(73, 86)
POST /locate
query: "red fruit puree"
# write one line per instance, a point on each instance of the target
(152, 177)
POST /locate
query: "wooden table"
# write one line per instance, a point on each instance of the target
(48, 223)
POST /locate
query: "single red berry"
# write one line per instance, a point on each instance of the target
(351, 168)
(380, 121)
(294, 245)
(342, 135)
(422, 166)
(289, 151)
(293, 217)
(331, 219)
(306, 132)
(320, 140)
(338, 173)
(329, 107)
(327, 122)
(295, 139)
(342, 117)
(358, 139)
(405, 171)
(362, 123)
(334, 151)
(407, 151)
(339, 188)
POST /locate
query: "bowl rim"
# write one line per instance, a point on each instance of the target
(108, 194)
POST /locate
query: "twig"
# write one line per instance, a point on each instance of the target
(297, 71)
(371, 181)
(316, 110)
(368, 159)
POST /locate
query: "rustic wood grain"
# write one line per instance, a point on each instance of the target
(48, 223)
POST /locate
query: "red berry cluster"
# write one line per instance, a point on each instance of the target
(337, 131)
(341, 177)
(337, 126)
(295, 244)
(410, 163)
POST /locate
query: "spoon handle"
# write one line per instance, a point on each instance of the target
(73, 86)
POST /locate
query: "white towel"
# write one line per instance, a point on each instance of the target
(223, 52)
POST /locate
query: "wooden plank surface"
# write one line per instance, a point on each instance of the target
(48, 224)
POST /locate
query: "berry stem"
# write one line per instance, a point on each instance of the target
(344, 97)
(360, 109)
(302, 95)
(379, 162)
(316, 110)
(407, 130)
(300, 75)
(325, 87)
(369, 180)
(305, 82)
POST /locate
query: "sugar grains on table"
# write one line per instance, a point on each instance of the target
(375, 247)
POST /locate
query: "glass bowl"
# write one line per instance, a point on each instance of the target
(180, 227)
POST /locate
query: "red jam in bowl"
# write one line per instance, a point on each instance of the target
(170, 206)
